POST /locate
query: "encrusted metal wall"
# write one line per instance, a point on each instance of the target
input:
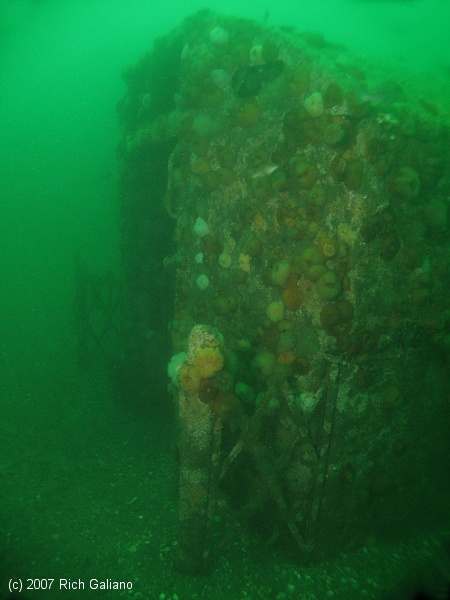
(146, 228)
(308, 198)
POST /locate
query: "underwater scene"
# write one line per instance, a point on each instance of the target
(225, 300)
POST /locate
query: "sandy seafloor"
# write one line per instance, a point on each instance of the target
(90, 492)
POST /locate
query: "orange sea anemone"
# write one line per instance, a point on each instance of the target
(207, 361)
(292, 297)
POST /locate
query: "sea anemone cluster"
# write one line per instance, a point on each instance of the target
(311, 225)
(295, 193)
